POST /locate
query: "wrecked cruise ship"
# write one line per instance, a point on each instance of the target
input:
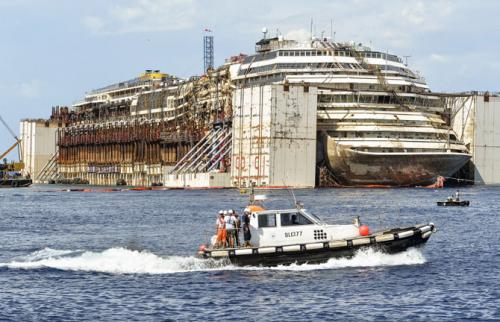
(377, 121)
(316, 113)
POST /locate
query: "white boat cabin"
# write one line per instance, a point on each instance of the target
(294, 227)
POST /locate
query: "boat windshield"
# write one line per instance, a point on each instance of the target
(313, 216)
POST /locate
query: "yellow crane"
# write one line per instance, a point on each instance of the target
(9, 149)
(16, 166)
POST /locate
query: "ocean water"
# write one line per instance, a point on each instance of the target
(130, 255)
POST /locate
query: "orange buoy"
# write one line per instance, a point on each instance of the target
(364, 230)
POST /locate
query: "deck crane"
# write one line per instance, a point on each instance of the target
(10, 173)
(16, 144)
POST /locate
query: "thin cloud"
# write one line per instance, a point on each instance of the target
(427, 15)
(29, 89)
(301, 35)
(144, 16)
(26, 89)
(95, 24)
(438, 58)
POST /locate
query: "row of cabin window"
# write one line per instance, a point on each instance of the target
(266, 68)
(377, 87)
(390, 135)
(287, 219)
(131, 83)
(402, 150)
(378, 121)
(337, 53)
(379, 99)
(262, 79)
(260, 69)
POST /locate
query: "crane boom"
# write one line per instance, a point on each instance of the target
(18, 141)
(9, 129)
(9, 149)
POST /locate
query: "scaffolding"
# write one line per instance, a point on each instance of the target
(208, 51)
(138, 141)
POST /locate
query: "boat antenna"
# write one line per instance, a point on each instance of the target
(296, 204)
(251, 197)
(406, 59)
(331, 29)
(311, 30)
(293, 195)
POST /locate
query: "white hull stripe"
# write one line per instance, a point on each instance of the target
(425, 229)
(384, 238)
(425, 232)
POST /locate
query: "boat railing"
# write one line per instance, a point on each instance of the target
(208, 234)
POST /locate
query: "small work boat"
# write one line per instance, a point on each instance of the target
(15, 183)
(288, 236)
(454, 202)
(10, 176)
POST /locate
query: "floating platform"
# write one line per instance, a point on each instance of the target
(15, 183)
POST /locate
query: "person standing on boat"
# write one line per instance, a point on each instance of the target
(246, 229)
(228, 218)
(220, 225)
(457, 196)
(237, 226)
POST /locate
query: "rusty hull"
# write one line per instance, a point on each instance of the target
(355, 168)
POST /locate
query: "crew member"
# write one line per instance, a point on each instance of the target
(229, 220)
(220, 225)
(246, 229)
(237, 227)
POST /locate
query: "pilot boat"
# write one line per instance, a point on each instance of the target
(296, 236)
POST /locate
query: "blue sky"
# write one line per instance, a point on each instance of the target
(52, 52)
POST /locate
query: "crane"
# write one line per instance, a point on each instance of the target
(17, 144)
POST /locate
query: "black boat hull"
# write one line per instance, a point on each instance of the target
(464, 203)
(393, 244)
(15, 183)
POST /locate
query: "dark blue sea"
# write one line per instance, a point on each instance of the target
(129, 256)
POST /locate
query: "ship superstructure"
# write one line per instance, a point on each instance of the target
(377, 121)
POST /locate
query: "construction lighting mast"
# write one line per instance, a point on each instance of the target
(208, 50)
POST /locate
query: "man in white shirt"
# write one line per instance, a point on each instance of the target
(230, 227)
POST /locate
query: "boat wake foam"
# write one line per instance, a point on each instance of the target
(126, 261)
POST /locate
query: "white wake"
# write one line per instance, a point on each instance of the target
(125, 261)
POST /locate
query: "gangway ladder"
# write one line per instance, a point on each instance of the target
(193, 153)
(50, 170)
(218, 150)
(206, 154)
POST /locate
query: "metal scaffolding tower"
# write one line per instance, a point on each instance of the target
(208, 50)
